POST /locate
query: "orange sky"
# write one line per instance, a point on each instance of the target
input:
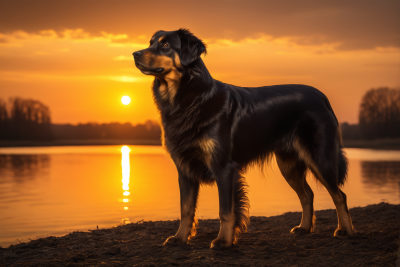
(75, 56)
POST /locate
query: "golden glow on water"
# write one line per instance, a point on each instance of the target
(125, 150)
(33, 206)
(126, 173)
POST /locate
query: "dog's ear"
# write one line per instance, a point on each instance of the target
(191, 47)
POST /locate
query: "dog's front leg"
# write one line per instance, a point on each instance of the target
(225, 183)
(189, 192)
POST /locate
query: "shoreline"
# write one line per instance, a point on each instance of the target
(267, 243)
(379, 144)
(79, 142)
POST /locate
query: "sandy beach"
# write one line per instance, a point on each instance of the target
(267, 243)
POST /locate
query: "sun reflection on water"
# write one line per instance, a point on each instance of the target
(126, 172)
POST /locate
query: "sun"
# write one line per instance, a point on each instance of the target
(125, 149)
(125, 100)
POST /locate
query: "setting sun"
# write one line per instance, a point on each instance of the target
(126, 100)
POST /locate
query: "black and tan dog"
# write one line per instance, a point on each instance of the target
(214, 130)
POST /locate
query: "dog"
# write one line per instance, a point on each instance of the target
(213, 131)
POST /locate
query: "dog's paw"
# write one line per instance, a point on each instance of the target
(219, 244)
(341, 233)
(299, 231)
(174, 241)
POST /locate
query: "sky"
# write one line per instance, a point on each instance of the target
(76, 56)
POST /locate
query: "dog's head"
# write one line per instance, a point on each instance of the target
(169, 51)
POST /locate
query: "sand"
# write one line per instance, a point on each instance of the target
(267, 243)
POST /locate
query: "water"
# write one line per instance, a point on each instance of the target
(56, 190)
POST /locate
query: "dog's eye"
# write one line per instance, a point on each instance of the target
(165, 45)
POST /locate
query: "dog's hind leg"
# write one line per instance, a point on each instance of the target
(294, 171)
(233, 206)
(345, 225)
(324, 163)
(189, 193)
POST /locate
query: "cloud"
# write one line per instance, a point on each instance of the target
(281, 45)
(39, 76)
(129, 79)
(20, 38)
(353, 25)
(70, 54)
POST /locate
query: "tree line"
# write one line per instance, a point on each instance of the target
(148, 131)
(28, 119)
(379, 116)
(24, 119)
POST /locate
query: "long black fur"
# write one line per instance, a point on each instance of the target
(245, 125)
(241, 206)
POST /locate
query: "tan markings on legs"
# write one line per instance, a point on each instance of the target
(308, 217)
(226, 232)
(188, 224)
(295, 174)
(344, 219)
(306, 200)
(207, 146)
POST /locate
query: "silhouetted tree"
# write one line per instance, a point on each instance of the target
(380, 113)
(3, 118)
(25, 119)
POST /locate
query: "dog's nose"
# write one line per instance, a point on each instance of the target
(137, 54)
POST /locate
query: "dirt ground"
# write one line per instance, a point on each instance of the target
(267, 243)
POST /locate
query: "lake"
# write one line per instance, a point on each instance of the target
(56, 190)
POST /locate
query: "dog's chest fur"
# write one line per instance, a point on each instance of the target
(191, 131)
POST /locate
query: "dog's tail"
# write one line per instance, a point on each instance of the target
(342, 159)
